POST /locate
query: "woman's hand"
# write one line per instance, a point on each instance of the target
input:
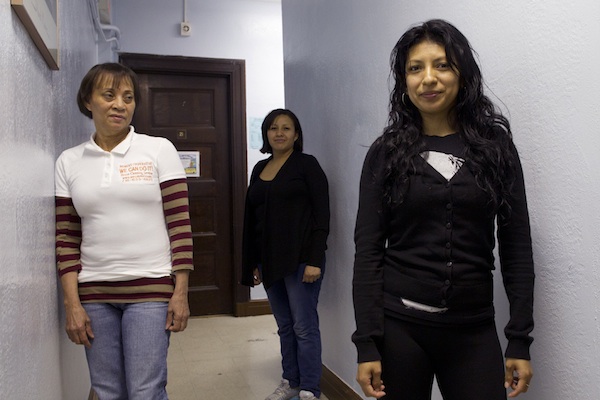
(257, 280)
(311, 274)
(178, 313)
(369, 379)
(78, 325)
(178, 310)
(518, 375)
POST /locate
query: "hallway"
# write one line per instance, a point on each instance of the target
(225, 357)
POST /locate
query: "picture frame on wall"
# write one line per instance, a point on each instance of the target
(40, 19)
(191, 161)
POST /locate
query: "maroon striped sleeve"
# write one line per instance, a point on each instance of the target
(176, 208)
(68, 236)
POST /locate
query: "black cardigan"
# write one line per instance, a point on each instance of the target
(436, 248)
(296, 222)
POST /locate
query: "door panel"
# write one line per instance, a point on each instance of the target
(194, 111)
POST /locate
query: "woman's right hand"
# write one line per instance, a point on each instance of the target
(369, 378)
(79, 326)
(256, 277)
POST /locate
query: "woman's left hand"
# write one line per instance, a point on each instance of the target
(518, 375)
(311, 274)
(178, 311)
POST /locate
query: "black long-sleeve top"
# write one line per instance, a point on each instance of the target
(295, 223)
(436, 248)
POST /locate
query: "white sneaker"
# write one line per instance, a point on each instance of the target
(306, 395)
(284, 391)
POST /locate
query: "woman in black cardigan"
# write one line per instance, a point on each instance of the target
(286, 224)
(438, 182)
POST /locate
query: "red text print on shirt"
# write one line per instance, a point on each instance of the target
(139, 172)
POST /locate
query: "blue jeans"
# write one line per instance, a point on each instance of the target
(294, 305)
(128, 357)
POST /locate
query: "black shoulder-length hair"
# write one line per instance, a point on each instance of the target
(113, 74)
(268, 121)
(485, 130)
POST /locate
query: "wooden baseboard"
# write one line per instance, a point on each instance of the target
(253, 308)
(335, 388)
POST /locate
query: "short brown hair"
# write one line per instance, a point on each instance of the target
(114, 71)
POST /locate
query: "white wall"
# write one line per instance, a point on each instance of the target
(541, 60)
(39, 119)
(235, 29)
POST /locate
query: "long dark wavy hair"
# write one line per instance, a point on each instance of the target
(484, 129)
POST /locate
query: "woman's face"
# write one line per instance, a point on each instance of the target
(431, 82)
(282, 134)
(112, 108)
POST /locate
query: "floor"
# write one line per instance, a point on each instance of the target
(224, 357)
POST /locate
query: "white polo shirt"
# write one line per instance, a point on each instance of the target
(117, 195)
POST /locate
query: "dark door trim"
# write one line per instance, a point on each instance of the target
(234, 70)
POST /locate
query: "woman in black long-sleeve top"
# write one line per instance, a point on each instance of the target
(444, 173)
(286, 224)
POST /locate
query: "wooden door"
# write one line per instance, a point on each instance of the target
(193, 108)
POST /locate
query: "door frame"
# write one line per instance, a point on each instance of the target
(235, 72)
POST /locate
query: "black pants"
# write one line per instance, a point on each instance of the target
(467, 362)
